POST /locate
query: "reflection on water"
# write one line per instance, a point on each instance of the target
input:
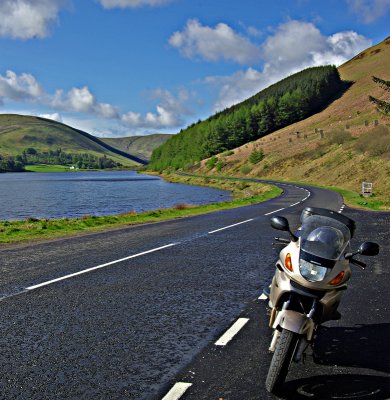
(71, 194)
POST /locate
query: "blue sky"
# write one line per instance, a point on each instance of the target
(130, 67)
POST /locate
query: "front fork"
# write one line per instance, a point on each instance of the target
(298, 322)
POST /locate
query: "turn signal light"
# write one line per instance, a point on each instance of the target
(338, 279)
(288, 262)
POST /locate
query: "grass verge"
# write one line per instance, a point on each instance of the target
(356, 200)
(47, 168)
(351, 199)
(44, 229)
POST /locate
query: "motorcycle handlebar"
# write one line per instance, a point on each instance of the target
(282, 240)
(359, 263)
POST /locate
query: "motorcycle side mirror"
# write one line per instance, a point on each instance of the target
(281, 224)
(368, 249)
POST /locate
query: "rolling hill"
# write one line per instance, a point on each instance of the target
(289, 100)
(342, 145)
(140, 146)
(18, 132)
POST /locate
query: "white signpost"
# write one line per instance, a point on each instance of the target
(366, 189)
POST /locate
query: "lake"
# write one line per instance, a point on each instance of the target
(75, 194)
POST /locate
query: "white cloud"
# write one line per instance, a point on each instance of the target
(214, 44)
(19, 87)
(82, 100)
(26, 19)
(132, 3)
(237, 87)
(369, 10)
(294, 45)
(55, 116)
(25, 88)
(168, 113)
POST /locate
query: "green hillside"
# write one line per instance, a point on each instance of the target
(140, 146)
(343, 145)
(292, 99)
(40, 137)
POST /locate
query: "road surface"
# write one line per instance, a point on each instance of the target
(128, 313)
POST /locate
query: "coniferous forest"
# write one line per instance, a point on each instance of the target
(290, 100)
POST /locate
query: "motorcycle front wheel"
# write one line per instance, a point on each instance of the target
(281, 360)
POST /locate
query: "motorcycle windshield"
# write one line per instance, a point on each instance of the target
(324, 237)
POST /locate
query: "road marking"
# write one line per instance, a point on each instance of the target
(292, 205)
(231, 332)
(272, 212)
(231, 226)
(263, 297)
(98, 267)
(177, 391)
(342, 208)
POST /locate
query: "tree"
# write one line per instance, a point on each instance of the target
(382, 106)
(256, 156)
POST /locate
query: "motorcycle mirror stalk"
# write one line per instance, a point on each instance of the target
(365, 249)
(281, 224)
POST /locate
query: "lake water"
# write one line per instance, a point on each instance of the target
(75, 194)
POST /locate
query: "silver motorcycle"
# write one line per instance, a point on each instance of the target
(309, 281)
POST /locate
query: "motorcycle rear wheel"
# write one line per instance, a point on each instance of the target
(281, 360)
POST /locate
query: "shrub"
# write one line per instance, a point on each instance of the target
(227, 153)
(182, 206)
(220, 165)
(256, 156)
(245, 169)
(211, 162)
(243, 185)
(376, 142)
(339, 136)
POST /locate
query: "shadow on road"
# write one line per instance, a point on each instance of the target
(362, 346)
(356, 387)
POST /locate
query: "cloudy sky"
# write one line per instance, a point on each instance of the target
(127, 67)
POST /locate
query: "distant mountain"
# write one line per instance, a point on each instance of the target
(18, 133)
(140, 146)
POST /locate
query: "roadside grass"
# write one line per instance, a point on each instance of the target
(356, 200)
(45, 229)
(47, 168)
(351, 198)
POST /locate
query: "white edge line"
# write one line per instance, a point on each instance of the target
(231, 332)
(230, 226)
(98, 267)
(272, 212)
(292, 205)
(177, 391)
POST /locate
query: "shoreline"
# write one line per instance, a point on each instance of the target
(34, 229)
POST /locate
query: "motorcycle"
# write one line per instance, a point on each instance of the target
(309, 281)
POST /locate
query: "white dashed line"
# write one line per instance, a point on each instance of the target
(231, 226)
(231, 332)
(272, 212)
(98, 267)
(177, 391)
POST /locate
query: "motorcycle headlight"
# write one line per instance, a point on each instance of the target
(312, 272)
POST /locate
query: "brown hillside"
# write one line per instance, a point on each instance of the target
(305, 151)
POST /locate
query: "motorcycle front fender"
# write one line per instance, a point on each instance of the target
(294, 322)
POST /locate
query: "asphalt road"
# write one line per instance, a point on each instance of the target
(125, 314)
